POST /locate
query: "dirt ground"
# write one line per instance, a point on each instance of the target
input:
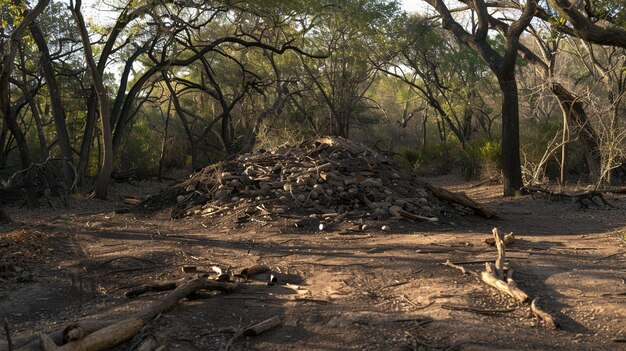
(370, 290)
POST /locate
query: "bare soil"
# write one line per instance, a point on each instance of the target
(370, 290)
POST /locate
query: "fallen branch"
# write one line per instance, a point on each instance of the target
(488, 276)
(124, 330)
(397, 211)
(462, 269)
(547, 318)
(461, 199)
(574, 196)
(609, 256)
(477, 310)
(489, 180)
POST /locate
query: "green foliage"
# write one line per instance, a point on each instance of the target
(406, 157)
(481, 157)
(438, 158)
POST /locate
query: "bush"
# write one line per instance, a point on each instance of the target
(481, 158)
(439, 158)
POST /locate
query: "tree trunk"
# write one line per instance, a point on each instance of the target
(164, 142)
(578, 120)
(104, 175)
(58, 112)
(88, 138)
(22, 147)
(511, 168)
(9, 49)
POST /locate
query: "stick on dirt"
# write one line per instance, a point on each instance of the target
(499, 265)
(462, 269)
(547, 318)
(477, 310)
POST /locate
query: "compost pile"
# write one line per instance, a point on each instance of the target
(323, 175)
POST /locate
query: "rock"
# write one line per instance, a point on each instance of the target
(385, 228)
(190, 188)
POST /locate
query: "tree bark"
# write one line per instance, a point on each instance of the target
(58, 111)
(511, 168)
(9, 48)
(104, 175)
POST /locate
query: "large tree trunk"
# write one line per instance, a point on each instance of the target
(58, 112)
(511, 169)
(104, 176)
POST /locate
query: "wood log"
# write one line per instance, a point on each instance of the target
(254, 270)
(263, 326)
(461, 199)
(59, 336)
(124, 330)
(547, 318)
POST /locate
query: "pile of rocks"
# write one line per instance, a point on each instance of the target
(323, 175)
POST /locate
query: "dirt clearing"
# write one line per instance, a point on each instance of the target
(358, 290)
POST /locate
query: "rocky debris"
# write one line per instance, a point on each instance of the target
(328, 176)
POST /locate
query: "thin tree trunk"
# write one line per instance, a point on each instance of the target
(578, 119)
(164, 142)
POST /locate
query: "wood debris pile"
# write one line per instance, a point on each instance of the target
(322, 175)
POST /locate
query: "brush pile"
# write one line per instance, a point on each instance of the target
(323, 175)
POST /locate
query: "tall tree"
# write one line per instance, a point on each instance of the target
(106, 169)
(8, 50)
(503, 66)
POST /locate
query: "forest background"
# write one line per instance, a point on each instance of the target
(528, 91)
